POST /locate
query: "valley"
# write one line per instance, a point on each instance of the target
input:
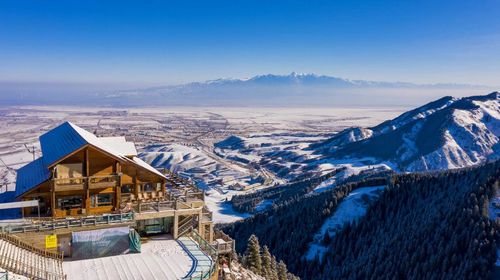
(321, 172)
(184, 140)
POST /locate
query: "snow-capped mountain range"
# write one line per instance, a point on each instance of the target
(447, 133)
(293, 79)
(293, 90)
(262, 90)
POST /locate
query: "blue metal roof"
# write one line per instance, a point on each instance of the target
(66, 139)
(31, 175)
(60, 142)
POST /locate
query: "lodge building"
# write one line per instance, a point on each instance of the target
(81, 174)
(83, 184)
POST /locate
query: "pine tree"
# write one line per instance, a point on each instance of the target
(274, 269)
(266, 263)
(253, 259)
(282, 272)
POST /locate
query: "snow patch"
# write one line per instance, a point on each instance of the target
(349, 210)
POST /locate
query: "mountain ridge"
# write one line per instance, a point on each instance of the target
(446, 133)
(295, 78)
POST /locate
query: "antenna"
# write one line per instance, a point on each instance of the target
(31, 151)
(9, 169)
(97, 127)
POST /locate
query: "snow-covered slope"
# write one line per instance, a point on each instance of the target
(349, 210)
(283, 155)
(190, 162)
(446, 133)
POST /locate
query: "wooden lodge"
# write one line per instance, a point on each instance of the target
(84, 183)
(81, 174)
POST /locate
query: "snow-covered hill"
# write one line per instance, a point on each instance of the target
(447, 133)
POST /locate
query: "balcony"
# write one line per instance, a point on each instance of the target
(99, 182)
(223, 243)
(78, 183)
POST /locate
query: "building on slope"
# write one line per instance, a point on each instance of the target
(86, 185)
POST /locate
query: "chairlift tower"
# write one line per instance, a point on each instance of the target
(32, 150)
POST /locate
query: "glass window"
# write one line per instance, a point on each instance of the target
(148, 187)
(69, 202)
(127, 188)
(105, 199)
(99, 200)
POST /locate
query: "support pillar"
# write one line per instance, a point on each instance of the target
(200, 225)
(176, 225)
(211, 233)
(86, 199)
(118, 191)
(118, 197)
(53, 204)
(163, 187)
(136, 186)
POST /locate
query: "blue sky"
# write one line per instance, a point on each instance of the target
(170, 42)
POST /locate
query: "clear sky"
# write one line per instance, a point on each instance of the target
(169, 42)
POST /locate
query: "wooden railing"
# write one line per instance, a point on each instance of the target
(207, 216)
(21, 244)
(22, 268)
(182, 184)
(101, 181)
(92, 180)
(161, 205)
(30, 271)
(227, 247)
(185, 225)
(69, 181)
(44, 225)
(156, 206)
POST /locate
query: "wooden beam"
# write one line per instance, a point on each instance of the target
(53, 203)
(86, 197)
(136, 185)
(163, 187)
(62, 188)
(118, 193)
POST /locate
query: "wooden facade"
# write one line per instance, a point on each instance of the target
(90, 181)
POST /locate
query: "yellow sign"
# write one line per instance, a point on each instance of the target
(50, 241)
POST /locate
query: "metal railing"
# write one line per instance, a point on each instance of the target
(209, 250)
(44, 225)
